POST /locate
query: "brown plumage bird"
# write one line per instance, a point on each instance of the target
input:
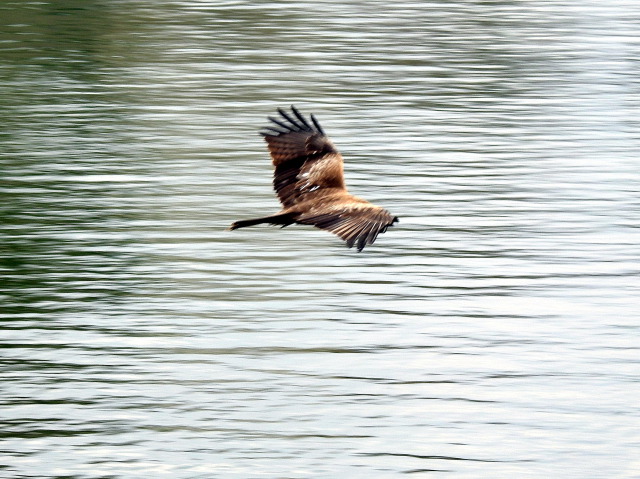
(309, 182)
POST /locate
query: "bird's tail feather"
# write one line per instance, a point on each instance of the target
(283, 219)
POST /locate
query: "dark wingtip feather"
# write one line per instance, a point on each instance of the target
(271, 131)
(288, 117)
(317, 125)
(283, 124)
(292, 123)
(300, 117)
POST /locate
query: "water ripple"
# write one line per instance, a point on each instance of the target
(491, 333)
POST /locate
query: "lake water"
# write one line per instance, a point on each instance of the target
(492, 333)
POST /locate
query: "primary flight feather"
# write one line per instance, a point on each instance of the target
(309, 182)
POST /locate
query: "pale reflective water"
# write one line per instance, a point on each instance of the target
(492, 333)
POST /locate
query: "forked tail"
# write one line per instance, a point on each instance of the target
(283, 219)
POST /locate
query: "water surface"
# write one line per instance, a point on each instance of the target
(492, 333)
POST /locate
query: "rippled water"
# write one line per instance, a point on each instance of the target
(492, 333)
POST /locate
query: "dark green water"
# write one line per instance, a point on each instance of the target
(492, 333)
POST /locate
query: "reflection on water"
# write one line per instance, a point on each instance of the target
(492, 333)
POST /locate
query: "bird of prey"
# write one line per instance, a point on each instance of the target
(309, 182)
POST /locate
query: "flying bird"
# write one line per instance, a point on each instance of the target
(309, 182)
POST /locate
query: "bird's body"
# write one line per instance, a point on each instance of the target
(309, 181)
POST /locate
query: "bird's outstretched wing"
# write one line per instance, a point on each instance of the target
(305, 160)
(358, 223)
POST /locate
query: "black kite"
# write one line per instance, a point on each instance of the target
(309, 182)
